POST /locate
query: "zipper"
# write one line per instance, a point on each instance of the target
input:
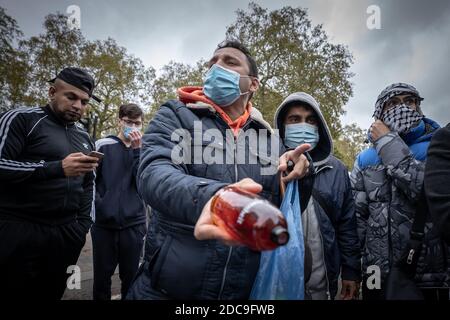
(224, 275)
(235, 160)
(67, 178)
(121, 217)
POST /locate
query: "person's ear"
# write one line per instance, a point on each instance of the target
(51, 92)
(254, 85)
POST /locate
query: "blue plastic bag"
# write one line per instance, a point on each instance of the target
(281, 271)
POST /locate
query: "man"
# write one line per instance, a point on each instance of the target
(218, 116)
(119, 228)
(387, 180)
(437, 191)
(328, 212)
(437, 177)
(46, 189)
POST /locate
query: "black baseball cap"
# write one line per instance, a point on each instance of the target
(78, 78)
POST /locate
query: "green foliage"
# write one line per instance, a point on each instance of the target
(48, 53)
(173, 76)
(121, 78)
(13, 64)
(350, 142)
(292, 54)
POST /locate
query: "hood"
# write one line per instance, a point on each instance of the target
(321, 153)
(424, 131)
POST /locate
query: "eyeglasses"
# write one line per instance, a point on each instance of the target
(130, 123)
(393, 102)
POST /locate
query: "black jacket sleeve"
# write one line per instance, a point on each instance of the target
(437, 177)
(12, 142)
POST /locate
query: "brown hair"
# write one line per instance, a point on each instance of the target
(233, 43)
(131, 111)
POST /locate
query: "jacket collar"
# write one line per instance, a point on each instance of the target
(51, 114)
(255, 114)
(422, 132)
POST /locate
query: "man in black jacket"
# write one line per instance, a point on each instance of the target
(437, 176)
(46, 190)
(193, 147)
(326, 202)
(119, 228)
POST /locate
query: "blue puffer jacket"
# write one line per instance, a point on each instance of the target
(177, 266)
(387, 180)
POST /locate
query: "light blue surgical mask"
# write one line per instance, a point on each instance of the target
(221, 85)
(299, 133)
(126, 131)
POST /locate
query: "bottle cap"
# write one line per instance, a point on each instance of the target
(280, 235)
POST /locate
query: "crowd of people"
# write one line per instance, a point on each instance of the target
(57, 185)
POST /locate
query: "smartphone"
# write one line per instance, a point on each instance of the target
(96, 154)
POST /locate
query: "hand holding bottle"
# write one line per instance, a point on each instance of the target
(247, 218)
(205, 228)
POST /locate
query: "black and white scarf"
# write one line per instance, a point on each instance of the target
(401, 118)
(393, 90)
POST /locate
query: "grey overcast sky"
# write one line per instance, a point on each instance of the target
(413, 44)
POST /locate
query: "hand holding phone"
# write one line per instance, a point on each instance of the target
(96, 154)
(77, 164)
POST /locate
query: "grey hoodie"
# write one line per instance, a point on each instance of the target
(322, 152)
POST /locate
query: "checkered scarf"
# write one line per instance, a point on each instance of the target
(393, 90)
(401, 118)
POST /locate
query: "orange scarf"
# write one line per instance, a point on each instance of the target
(195, 94)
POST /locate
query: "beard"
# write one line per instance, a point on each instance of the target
(64, 110)
(70, 116)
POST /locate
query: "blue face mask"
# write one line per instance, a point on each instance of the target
(299, 133)
(221, 85)
(126, 131)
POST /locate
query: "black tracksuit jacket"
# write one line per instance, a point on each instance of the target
(33, 187)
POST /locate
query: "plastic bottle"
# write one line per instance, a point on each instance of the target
(249, 219)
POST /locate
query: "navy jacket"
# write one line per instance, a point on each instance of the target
(117, 201)
(333, 201)
(338, 225)
(177, 265)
